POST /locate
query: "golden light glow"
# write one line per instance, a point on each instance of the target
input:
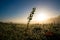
(40, 16)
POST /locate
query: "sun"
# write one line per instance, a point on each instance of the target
(40, 17)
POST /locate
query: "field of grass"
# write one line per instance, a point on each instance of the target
(10, 31)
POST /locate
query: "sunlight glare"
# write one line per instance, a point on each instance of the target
(41, 16)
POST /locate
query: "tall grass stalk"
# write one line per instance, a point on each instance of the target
(30, 17)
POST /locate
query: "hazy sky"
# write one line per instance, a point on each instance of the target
(18, 10)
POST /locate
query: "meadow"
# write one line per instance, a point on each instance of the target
(11, 31)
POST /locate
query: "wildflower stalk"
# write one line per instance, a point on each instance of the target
(30, 16)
